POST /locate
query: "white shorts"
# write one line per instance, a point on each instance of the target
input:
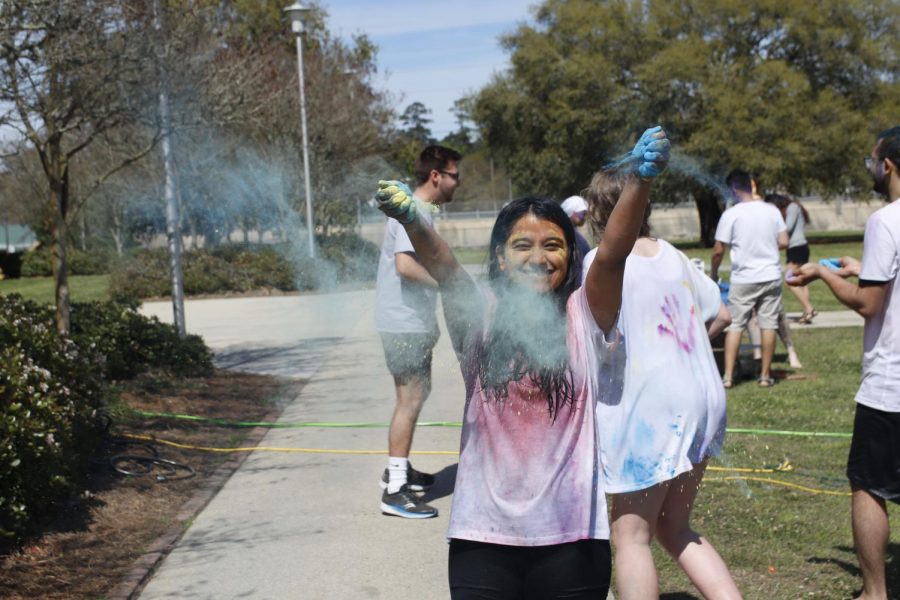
(765, 297)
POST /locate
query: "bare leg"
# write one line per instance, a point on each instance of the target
(732, 346)
(634, 518)
(784, 332)
(694, 554)
(802, 293)
(871, 530)
(753, 332)
(411, 393)
(768, 351)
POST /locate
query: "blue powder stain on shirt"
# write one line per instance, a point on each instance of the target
(638, 469)
(635, 468)
(643, 434)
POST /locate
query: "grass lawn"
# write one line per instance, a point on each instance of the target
(84, 288)
(778, 541)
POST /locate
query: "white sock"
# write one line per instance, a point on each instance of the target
(397, 467)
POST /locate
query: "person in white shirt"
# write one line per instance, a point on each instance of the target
(873, 466)
(656, 436)
(405, 297)
(755, 232)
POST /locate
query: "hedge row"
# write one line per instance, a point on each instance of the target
(52, 387)
(244, 268)
(36, 263)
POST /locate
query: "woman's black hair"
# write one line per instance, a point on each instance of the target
(520, 346)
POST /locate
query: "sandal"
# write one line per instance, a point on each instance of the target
(727, 383)
(765, 382)
(807, 317)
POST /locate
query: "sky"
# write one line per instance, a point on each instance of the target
(431, 52)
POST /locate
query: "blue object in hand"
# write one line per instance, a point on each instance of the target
(651, 153)
(724, 287)
(832, 263)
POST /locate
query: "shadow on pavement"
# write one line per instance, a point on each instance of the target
(444, 482)
(294, 360)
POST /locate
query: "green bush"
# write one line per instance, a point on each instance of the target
(50, 389)
(52, 386)
(36, 263)
(144, 275)
(132, 343)
(354, 258)
(244, 268)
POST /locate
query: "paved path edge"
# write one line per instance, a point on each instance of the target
(143, 568)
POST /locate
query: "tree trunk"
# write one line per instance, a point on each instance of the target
(59, 191)
(709, 210)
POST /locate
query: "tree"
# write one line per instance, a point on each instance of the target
(69, 72)
(415, 123)
(788, 90)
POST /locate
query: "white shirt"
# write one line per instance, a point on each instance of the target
(401, 306)
(880, 383)
(670, 413)
(751, 230)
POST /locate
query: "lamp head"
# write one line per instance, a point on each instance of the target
(297, 13)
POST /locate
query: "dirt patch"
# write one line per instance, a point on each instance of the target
(95, 542)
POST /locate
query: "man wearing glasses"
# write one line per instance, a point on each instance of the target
(405, 296)
(873, 466)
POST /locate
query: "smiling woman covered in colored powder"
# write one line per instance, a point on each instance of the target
(529, 515)
(656, 435)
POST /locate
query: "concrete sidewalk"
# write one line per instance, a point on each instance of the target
(308, 525)
(291, 525)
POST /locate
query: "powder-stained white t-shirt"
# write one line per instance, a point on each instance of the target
(402, 306)
(671, 411)
(880, 384)
(751, 228)
(524, 479)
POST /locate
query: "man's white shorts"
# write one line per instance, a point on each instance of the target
(764, 297)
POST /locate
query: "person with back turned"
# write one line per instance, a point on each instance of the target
(873, 466)
(405, 296)
(755, 232)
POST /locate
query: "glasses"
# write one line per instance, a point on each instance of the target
(870, 162)
(453, 176)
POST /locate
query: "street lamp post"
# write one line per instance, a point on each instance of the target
(297, 13)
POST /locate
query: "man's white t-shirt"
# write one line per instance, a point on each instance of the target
(880, 383)
(402, 306)
(751, 230)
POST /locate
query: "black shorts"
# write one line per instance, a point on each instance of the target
(799, 255)
(874, 461)
(576, 570)
(408, 354)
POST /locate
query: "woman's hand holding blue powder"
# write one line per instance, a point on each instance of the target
(651, 153)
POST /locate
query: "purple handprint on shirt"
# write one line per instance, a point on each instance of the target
(682, 332)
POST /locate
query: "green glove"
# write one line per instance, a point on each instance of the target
(395, 199)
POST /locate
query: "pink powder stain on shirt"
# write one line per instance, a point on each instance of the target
(677, 328)
(525, 478)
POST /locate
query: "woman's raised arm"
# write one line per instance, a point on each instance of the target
(463, 303)
(603, 284)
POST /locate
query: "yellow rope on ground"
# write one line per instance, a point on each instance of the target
(783, 467)
(779, 482)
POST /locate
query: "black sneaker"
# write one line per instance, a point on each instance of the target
(406, 504)
(417, 480)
